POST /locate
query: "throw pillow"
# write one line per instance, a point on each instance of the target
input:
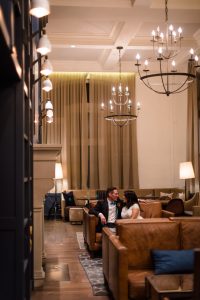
(173, 261)
(166, 195)
(69, 199)
(181, 196)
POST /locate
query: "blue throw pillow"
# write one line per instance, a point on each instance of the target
(173, 261)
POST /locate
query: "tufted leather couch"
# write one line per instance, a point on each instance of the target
(129, 253)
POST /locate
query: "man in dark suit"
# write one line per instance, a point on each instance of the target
(108, 210)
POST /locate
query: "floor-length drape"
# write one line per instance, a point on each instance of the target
(113, 150)
(70, 126)
(192, 135)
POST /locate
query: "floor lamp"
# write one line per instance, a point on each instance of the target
(186, 171)
(58, 177)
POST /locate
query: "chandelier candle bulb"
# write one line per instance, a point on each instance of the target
(173, 66)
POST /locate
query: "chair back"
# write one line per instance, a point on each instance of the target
(176, 206)
(101, 194)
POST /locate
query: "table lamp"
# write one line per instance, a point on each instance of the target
(186, 171)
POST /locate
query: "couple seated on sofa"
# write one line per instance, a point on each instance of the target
(113, 208)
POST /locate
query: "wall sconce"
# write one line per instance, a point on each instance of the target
(186, 171)
(46, 68)
(47, 85)
(44, 45)
(39, 8)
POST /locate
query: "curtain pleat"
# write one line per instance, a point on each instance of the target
(192, 135)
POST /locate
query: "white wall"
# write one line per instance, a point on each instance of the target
(161, 131)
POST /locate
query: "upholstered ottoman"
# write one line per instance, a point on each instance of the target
(76, 215)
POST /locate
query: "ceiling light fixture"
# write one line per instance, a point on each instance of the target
(40, 8)
(120, 108)
(166, 46)
(44, 45)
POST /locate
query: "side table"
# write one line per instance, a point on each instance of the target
(171, 286)
(76, 215)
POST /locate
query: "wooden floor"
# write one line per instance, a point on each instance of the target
(65, 277)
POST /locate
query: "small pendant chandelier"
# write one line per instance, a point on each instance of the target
(120, 107)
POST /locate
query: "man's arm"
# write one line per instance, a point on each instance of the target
(97, 210)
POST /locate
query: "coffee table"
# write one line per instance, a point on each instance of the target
(174, 286)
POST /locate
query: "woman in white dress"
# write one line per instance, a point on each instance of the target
(131, 210)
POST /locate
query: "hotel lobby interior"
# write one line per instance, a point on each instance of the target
(98, 94)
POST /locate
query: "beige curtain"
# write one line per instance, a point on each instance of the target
(192, 135)
(113, 159)
(70, 126)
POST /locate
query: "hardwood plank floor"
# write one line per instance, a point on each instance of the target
(65, 277)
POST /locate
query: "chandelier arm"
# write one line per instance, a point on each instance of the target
(179, 88)
(161, 75)
(141, 78)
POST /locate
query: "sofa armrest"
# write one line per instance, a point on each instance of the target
(106, 234)
(167, 214)
(188, 204)
(118, 269)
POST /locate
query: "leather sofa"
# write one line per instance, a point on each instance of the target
(129, 253)
(93, 240)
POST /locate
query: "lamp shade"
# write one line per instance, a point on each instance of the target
(49, 119)
(48, 105)
(186, 170)
(46, 68)
(49, 113)
(47, 85)
(44, 45)
(40, 8)
(58, 171)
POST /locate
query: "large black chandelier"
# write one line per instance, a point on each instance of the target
(120, 110)
(166, 46)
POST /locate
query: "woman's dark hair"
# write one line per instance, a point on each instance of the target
(131, 198)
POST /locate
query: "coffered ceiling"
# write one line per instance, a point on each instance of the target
(85, 33)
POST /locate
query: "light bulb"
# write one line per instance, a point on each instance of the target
(138, 56)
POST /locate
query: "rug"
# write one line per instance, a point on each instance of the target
(80, 240)
(94, 269)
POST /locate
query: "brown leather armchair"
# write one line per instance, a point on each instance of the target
(92, 239)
